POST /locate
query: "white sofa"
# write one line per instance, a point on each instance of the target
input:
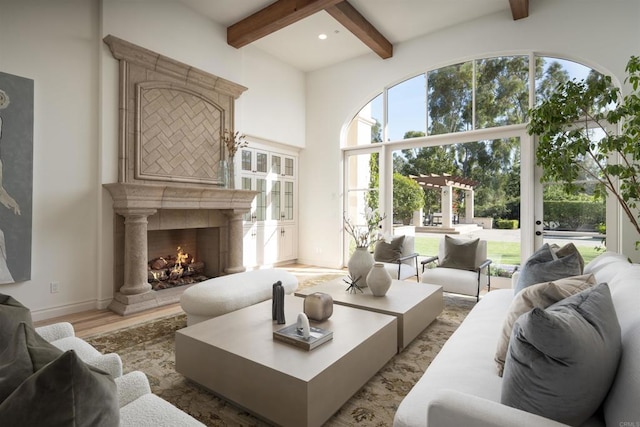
(138, 406)
(461, 386)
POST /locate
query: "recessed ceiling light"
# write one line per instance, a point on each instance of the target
(322, 36)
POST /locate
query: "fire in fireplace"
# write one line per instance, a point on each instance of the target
(175, 270)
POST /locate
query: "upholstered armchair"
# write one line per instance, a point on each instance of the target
(398, 256)
(462, 266)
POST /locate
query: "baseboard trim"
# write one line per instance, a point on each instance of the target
(63, 310)
(103, 303)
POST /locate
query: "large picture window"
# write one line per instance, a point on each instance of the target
(450, 121)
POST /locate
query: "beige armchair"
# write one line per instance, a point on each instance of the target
(398, 256)
(462, 266)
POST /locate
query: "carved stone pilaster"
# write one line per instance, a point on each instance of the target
(135, 250)
(235, 242)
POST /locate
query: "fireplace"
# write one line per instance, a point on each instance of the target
(182, 257)
(172, 118)
(215, 215)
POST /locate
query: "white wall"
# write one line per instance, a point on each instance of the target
(600, 34)
(59, 45)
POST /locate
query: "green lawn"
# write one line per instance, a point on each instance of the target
(505, 253)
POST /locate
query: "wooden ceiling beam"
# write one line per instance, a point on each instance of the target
(519, 9)
(282, 13)
(272, 18)
(352, 20)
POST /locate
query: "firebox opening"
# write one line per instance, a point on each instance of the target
(182, 256)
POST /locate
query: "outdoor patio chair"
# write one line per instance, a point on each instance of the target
(462, 266)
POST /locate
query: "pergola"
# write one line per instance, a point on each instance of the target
(446, 183)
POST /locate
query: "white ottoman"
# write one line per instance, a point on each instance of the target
(224, 294)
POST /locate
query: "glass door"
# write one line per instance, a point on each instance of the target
(578, 217)
(362, 192)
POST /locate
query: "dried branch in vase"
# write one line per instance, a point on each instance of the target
(365, 236)
(234, 142)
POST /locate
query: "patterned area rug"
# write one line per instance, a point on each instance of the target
(149, 348)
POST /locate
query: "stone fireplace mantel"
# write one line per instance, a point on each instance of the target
(137, 202)
(151, 196)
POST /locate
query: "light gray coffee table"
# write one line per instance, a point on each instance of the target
(235, 356)
(415, 305)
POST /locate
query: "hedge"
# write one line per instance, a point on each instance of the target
(559, 215)
(574, 215)
(507, 224)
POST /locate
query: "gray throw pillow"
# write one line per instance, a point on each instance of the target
(541, 295)
(569, 249)
(65, 392)
(11, 314)
(26, 353)
(562, 361)
(459, 253)
(545, 266)
(388, 252)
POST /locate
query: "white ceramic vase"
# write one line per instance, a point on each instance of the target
(378, 280)
(359, 265)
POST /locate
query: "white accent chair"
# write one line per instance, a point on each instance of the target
(457, 281)
(406, 265)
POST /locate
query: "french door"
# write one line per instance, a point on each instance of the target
(365, 190)
(361, 189)
(588, 222)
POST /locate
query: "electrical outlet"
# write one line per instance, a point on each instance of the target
(54, 287)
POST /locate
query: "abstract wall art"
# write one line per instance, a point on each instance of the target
(16, 177)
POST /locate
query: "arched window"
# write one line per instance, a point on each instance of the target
(415, 122)
(479, 94)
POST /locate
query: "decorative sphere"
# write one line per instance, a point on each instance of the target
(318, 306)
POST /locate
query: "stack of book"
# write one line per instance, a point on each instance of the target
(293, 335)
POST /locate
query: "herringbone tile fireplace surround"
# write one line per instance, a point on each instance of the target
(172, 118)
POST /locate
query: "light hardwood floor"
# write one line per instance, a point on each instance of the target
(93, 322)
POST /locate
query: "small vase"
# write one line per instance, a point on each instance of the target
(378, 280)
(359, 265)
